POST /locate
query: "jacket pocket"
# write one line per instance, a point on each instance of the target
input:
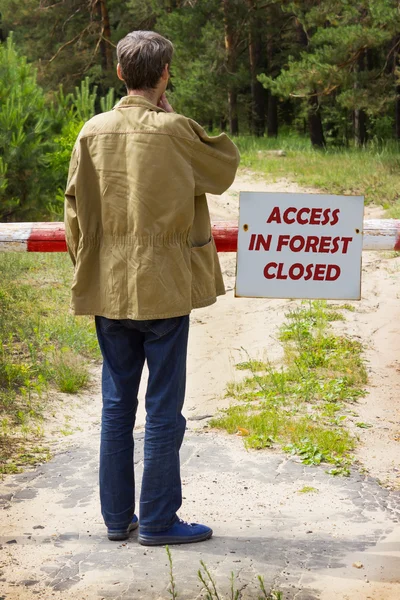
(203, 271)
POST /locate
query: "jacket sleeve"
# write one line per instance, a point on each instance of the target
(72, 233)
(214, 161)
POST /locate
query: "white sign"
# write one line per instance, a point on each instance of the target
(299, 246)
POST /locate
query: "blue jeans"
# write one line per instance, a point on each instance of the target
(125, 345)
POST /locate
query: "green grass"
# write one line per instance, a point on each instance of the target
(70, 371)
(42, 347)
(373, 172)
(301, 405)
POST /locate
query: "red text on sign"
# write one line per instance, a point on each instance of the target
(304, 216)
(318, 272)
(312, 243)
(257, 241)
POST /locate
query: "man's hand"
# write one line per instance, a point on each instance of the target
(163, 103)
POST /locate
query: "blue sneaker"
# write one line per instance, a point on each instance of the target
(118, 535)
(180, 533)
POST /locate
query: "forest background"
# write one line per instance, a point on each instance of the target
(320, 74)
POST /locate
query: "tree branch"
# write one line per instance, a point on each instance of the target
(41, 7)
(395, 49)
(69, 18)
(108, 41)
(74, 39)
(325, 92)
(353, 58)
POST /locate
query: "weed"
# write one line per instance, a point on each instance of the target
(208, 582)
(70, 372)
(32, 456)
(210, 585)
(341, 470)
(349, 307)
(172, 589)
(66, 431)
(309, 453)
(352, 413)
(273, 595)
(338, 421)
(260, 440)
(329, 409)
(298, 405)
(212, 593)
(16, 453)
(235, 594)
(251, 365)
(9, 469)
(307, 489)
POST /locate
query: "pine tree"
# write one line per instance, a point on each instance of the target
(25, 125)
(345, 61)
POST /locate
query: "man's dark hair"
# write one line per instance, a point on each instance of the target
(142, 56)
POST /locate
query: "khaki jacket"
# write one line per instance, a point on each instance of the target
(136, 217)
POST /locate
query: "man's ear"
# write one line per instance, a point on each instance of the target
(119, 72)
(165, 73)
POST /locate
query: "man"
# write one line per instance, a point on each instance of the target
(138, 231)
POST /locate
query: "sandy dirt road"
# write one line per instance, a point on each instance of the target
(51, 535)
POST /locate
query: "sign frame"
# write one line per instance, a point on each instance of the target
(277, 237)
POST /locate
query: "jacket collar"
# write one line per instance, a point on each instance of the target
(129, 101)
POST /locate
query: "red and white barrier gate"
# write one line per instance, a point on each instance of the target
(379, 234)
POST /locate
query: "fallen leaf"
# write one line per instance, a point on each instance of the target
(242, 431)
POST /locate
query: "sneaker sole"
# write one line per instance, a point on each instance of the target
(121, 536)
(170, 540)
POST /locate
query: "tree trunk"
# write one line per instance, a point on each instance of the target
(359, 115)
(258, 108)
(2, 35)
(255, 59)
(272, 116)
(394, 67)
(230, 62)
(101, 8)
(315, 124)
(315, 127)
(360, 127)
(171, 5)
(272, 46)
(233, 116)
